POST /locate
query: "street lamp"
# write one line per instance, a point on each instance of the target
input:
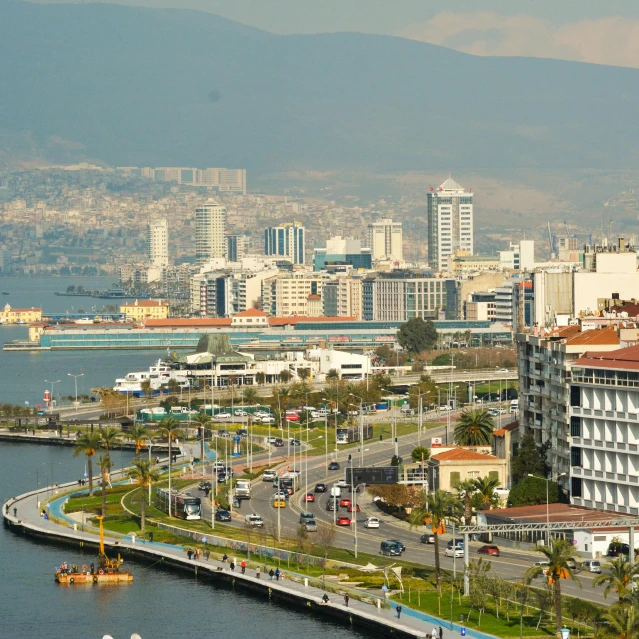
(150, 440)
(547, 503)
(361, 428)
(75, 379)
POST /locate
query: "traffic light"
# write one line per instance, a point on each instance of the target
(350, 458)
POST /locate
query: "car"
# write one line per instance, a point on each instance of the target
(309, 497)
(320, 488)
(406, 409)
(218, 465)
(292, 417)
(445, 407)
(592, 565)
(455, 542)
(269, 475)
(279, 503)
(267, 420)
(279, 443)
(222, 432)
(341, 483)
(203, 485)
(305, 516)
(222, 515)
(333, 466)
(282, 493)
(342, 520)
(42, 412)
(224, 415)
(457, 551)
(345, 502)
(332, 504)
(350, 508)
(503, 370)
(371, 522)
(390, 548)
(260, 413)
(310, 525)
(489, 550)
(222, 477)
(398, 543)
(573, 565)
(427, 538)
(238, 412)
(617, 548)
(296, 442)
(253, 520)
(271, 440)
(242, 432)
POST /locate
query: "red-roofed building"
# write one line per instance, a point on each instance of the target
(545, 359)
(139, 310)
(250, 318)
(10, 315)
(448, 469)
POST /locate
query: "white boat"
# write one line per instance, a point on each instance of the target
(84, 320)
(158, 375)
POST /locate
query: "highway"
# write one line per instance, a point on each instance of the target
(511, 564)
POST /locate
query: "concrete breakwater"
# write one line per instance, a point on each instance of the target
(21, 515)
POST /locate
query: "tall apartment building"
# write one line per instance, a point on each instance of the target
(342, 297)
(545, 361)
(210, 219)
(384, 238)
(450, 224)
(604, 431)
(234, 247)
(287, 240)
(157, 243)
(401, 297)
(288, 294)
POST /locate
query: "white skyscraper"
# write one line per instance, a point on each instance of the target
(157, 243)
(210, 219)
(384, 238)
(450, 224)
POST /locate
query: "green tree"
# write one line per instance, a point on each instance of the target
(619, 576)
(260, 377)
(466, 491)
(145, 387)
(88, 444)
(285, 376)
(485, 492)
(139, 433)
(528, 459)
(435, 509)
(170, 428)
(303, 373)
(531, 491)
(173, 386)
(332, 374)
(560, 555)
(417, 335)
(474, 428)
(623, 621)
(419, 453)
(428, 391)
(442, 360)
(110, 437)
(250, 396)
(106, 464)
(144, 475)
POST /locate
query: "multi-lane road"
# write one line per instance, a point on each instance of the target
(511, 564)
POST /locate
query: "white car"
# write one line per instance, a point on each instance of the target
(371, 522)
(218, 465)
(445, 407)
(341, 483)
(223, 416)
(260, 413)
(240, 413)
(269, 475)
(271, 440)
(282, 494)
(253, 520)
(457, 551)
(268, 420)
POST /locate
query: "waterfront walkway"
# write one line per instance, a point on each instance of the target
(23, 513)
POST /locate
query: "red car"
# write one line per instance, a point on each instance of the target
(309, 497)
(489, 550)
(345, 502)
(343, 521)
(350, 508)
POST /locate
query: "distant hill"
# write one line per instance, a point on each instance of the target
(168, 87)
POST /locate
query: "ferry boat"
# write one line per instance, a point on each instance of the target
(158, 375)
(108, 570)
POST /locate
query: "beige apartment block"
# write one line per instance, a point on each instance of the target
(145, 309)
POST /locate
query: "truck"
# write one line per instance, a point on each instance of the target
(243, 489)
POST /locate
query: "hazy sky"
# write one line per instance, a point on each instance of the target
(588, 30)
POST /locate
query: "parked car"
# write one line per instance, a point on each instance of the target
(309, 497)
(222, 515)
(427, 538)
(238, 412)
(333, 466)
(242, 432)
(489, 550)
(267, 420)
(342, 520)
(445, 407)
(406, 409)
(371, 522)
(223, 415)
(222, 432)
(253, 520)
(617, 548)
(320, 488)
(457, 551)
(350, 508)
(310, 525)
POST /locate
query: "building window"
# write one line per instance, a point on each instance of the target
(575, 487)
(575, 426)
(575, 456)
(575, 396)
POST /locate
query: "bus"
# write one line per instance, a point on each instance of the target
(183, 505)
(350, 435)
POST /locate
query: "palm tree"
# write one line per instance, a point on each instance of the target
(170, 428)
(474, 428)
(250, 396)
(88, 444)
(466, 491)
(485, 489)
(559, 555)
(623, 621)
(138, 434)
(618, 576)
(144, 475)
(105, 467)
(435, 509)
(285, 376)
(109, 438)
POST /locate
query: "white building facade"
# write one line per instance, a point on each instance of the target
(157, 243)
(210, 220)
(384, 238)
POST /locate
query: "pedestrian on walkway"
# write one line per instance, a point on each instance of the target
(271, 574)
(441, 633)
(243, 566)
(277, 574)
(433, 633)
(224, 557)
(232, 565)
(346, 598)
(189, 552)
(325, 598)
(207, 554)
(399, 611)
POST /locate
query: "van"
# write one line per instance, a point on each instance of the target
(514, 406)
(592, 565)
(406, 409)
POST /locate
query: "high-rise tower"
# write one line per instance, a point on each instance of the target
(384, 238)
(210, 219)
(157, 243)
(287, 240)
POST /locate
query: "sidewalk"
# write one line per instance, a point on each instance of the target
(293, 589)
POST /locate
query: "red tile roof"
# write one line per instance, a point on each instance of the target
(463, 454)
(508, 428)
(557, 512)
(622, 358)
(188, 322)
(296, 319)
(601, 337)
(251, 312)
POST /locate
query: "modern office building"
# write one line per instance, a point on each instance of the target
(234, 247)
(450, 224)
(157, 243)
(287, 240)
(342, 252)
(290, 294)
(604, 431)
(384, 238)
(210, 219)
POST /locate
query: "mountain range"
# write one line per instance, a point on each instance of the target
(159, 87)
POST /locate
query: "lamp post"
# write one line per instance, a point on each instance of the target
(75, 379)
(57, 381)
(547, 503)
(361, 428)
(326, 438)
(150, 447)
